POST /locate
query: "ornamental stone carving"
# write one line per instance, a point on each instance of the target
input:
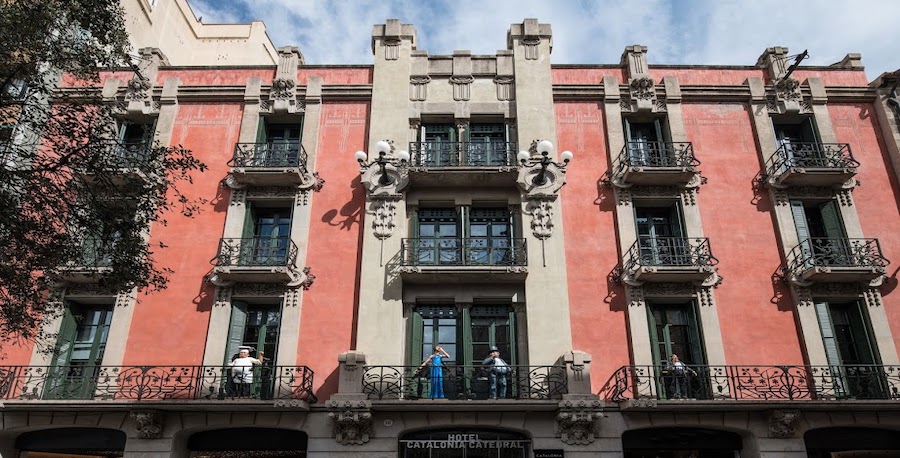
(418, 88)
(283, 88)
(670, 289)
(788, 96)
(577, 421)
(148, 423)
(541, 211)
(781, 423)
(391, 48)
(505, 90)
(385, 215)
(642, 92)
(462, 86)
(303, 278)
(351, 422)
(138, 89)
(139, 99)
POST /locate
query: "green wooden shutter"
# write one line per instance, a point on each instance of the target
(657, 126)
(65, 338)
(831, 216)
(654, 338)
(416, 326)
(800, 223)
(468, 356)
(249, 221)
(236, 329)
(808, 131)
(627, 125)
(261, 136)
(696, 335)
(832, 352)
(513, 344)
(865, 345)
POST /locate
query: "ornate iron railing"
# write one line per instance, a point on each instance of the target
(256, 251)
(656, 155)
(827, 252)
(273, 154)
(112, 155)
(473, 251)
(802, 383)
(810, 155)
(670, 252)
(156, 383)
(463, 154)
(95, 252)
(464, 382)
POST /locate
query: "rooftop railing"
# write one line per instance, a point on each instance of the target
(472, 251)
(155, 383)
(754, 383)
(463, 154)
(464, 382)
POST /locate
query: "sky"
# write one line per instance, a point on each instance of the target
(696, 32)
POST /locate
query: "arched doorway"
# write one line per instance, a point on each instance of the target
(72, 443)
(464, 443)
(681, 443)
(852, 442)
(256, 442)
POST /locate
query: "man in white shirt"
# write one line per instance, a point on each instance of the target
(242, 371)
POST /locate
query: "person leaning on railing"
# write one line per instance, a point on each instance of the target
(681, 376)
(242, 371)
(497, 371)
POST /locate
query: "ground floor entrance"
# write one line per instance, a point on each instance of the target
(464, 443)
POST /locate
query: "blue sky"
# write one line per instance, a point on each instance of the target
(707, 32)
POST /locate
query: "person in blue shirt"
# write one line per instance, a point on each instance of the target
(437, 372)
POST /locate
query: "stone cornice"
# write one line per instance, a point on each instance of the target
(703, 93)
(235, 93)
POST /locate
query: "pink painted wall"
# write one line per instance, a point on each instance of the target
(707, 76)
(756, 315)
(170, 326)
(348, 75)
(877, 198)
(207, 77)
(327, 325)
(584, 75)
(596, 305)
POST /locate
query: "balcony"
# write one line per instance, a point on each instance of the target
(95, 260)
(811, 164)
(836, 260)
(463, 383)
(256, 259)
(155, 384)
(656, 163)
(268, 164)
(474, 259)
(669, 259)
(760, 385)
(117, 163)
(462, 163)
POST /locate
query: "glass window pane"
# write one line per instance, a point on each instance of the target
(426, 231)
(447, 334)
(481, 333)
(478, 230)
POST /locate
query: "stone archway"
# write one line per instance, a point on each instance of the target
(678, 442)
(72, 442)
(464, 443)
(851, 442)
(248, 442)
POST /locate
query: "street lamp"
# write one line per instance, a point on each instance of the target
(544, 147)
(383, 148)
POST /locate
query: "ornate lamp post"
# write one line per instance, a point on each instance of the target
(382, 148)
(544, 147)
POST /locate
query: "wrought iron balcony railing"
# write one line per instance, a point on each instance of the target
(464, 382)
(811, 156)
(473, 251)
(95, 252)
(792, 383)
(657, 155)
(155, 383)
(463, 154)
(272, 154)
(827, 252)
(256, 252)
(670, 252)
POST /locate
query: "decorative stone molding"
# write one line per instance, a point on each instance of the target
(505, 89)
(670, 289)
(125, 298)
(216, 279)
(385, 214)
(462, 86)
(292, 296)
(705, 297)
(634, 59)
(517, 270)
(238, 196)
(577, 422)
(87, 289)
(300, 279)
(391, 48)
(148, 423)
(283, 91)
(409, 269)
(781, 423)
(257, 290)
(873, 297)
(418, 88)
(835, 289)
(532, 51)
(787, 93)
(541, 211)
(351, 421)
(530, 34)
(635, 295)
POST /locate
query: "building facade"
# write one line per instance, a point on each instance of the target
(706, 274)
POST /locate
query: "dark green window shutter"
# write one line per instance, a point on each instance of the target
(261, 136)
(832, 353)
(862, 335)
(65, 338)
(236, 329)
(627, 125)
(831, 217)
(808, 131)
(657, 125)
(249, 221)
(696, 335)
(800, 223)
(416, 325)
(513, 354)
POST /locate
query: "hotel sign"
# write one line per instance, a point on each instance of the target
(464, 441)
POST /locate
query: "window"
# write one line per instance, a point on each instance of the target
(646, 142)
(674, 330)
(255, 326)
(278, 144)
(487, 145)
(850, 349)
(467, 335)
(79, 351)
(438, 145)
(798, 142)
(15, 89)
(267, 235)
(133, 143)
(661, 238)
(820, 232)
(463, 236)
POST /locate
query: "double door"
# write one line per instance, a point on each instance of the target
(463, 236)
(661, 239)
(282, 145)
(675, 331)
(267, 236)
(75, 367)
(799, 143)
(645, 144)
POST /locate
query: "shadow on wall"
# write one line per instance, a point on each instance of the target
(351, 212)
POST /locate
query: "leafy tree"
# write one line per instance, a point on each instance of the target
(72, 195)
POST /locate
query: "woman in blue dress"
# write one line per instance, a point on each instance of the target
(437, 372)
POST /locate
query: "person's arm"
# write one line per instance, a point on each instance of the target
(444, 353)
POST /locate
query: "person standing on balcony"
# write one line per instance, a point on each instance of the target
(437, 372)
(681, 374)
(497, 371)
(242, 371)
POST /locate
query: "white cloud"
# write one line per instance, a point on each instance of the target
(684, 32)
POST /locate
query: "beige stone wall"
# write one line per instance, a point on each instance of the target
(172, 26)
